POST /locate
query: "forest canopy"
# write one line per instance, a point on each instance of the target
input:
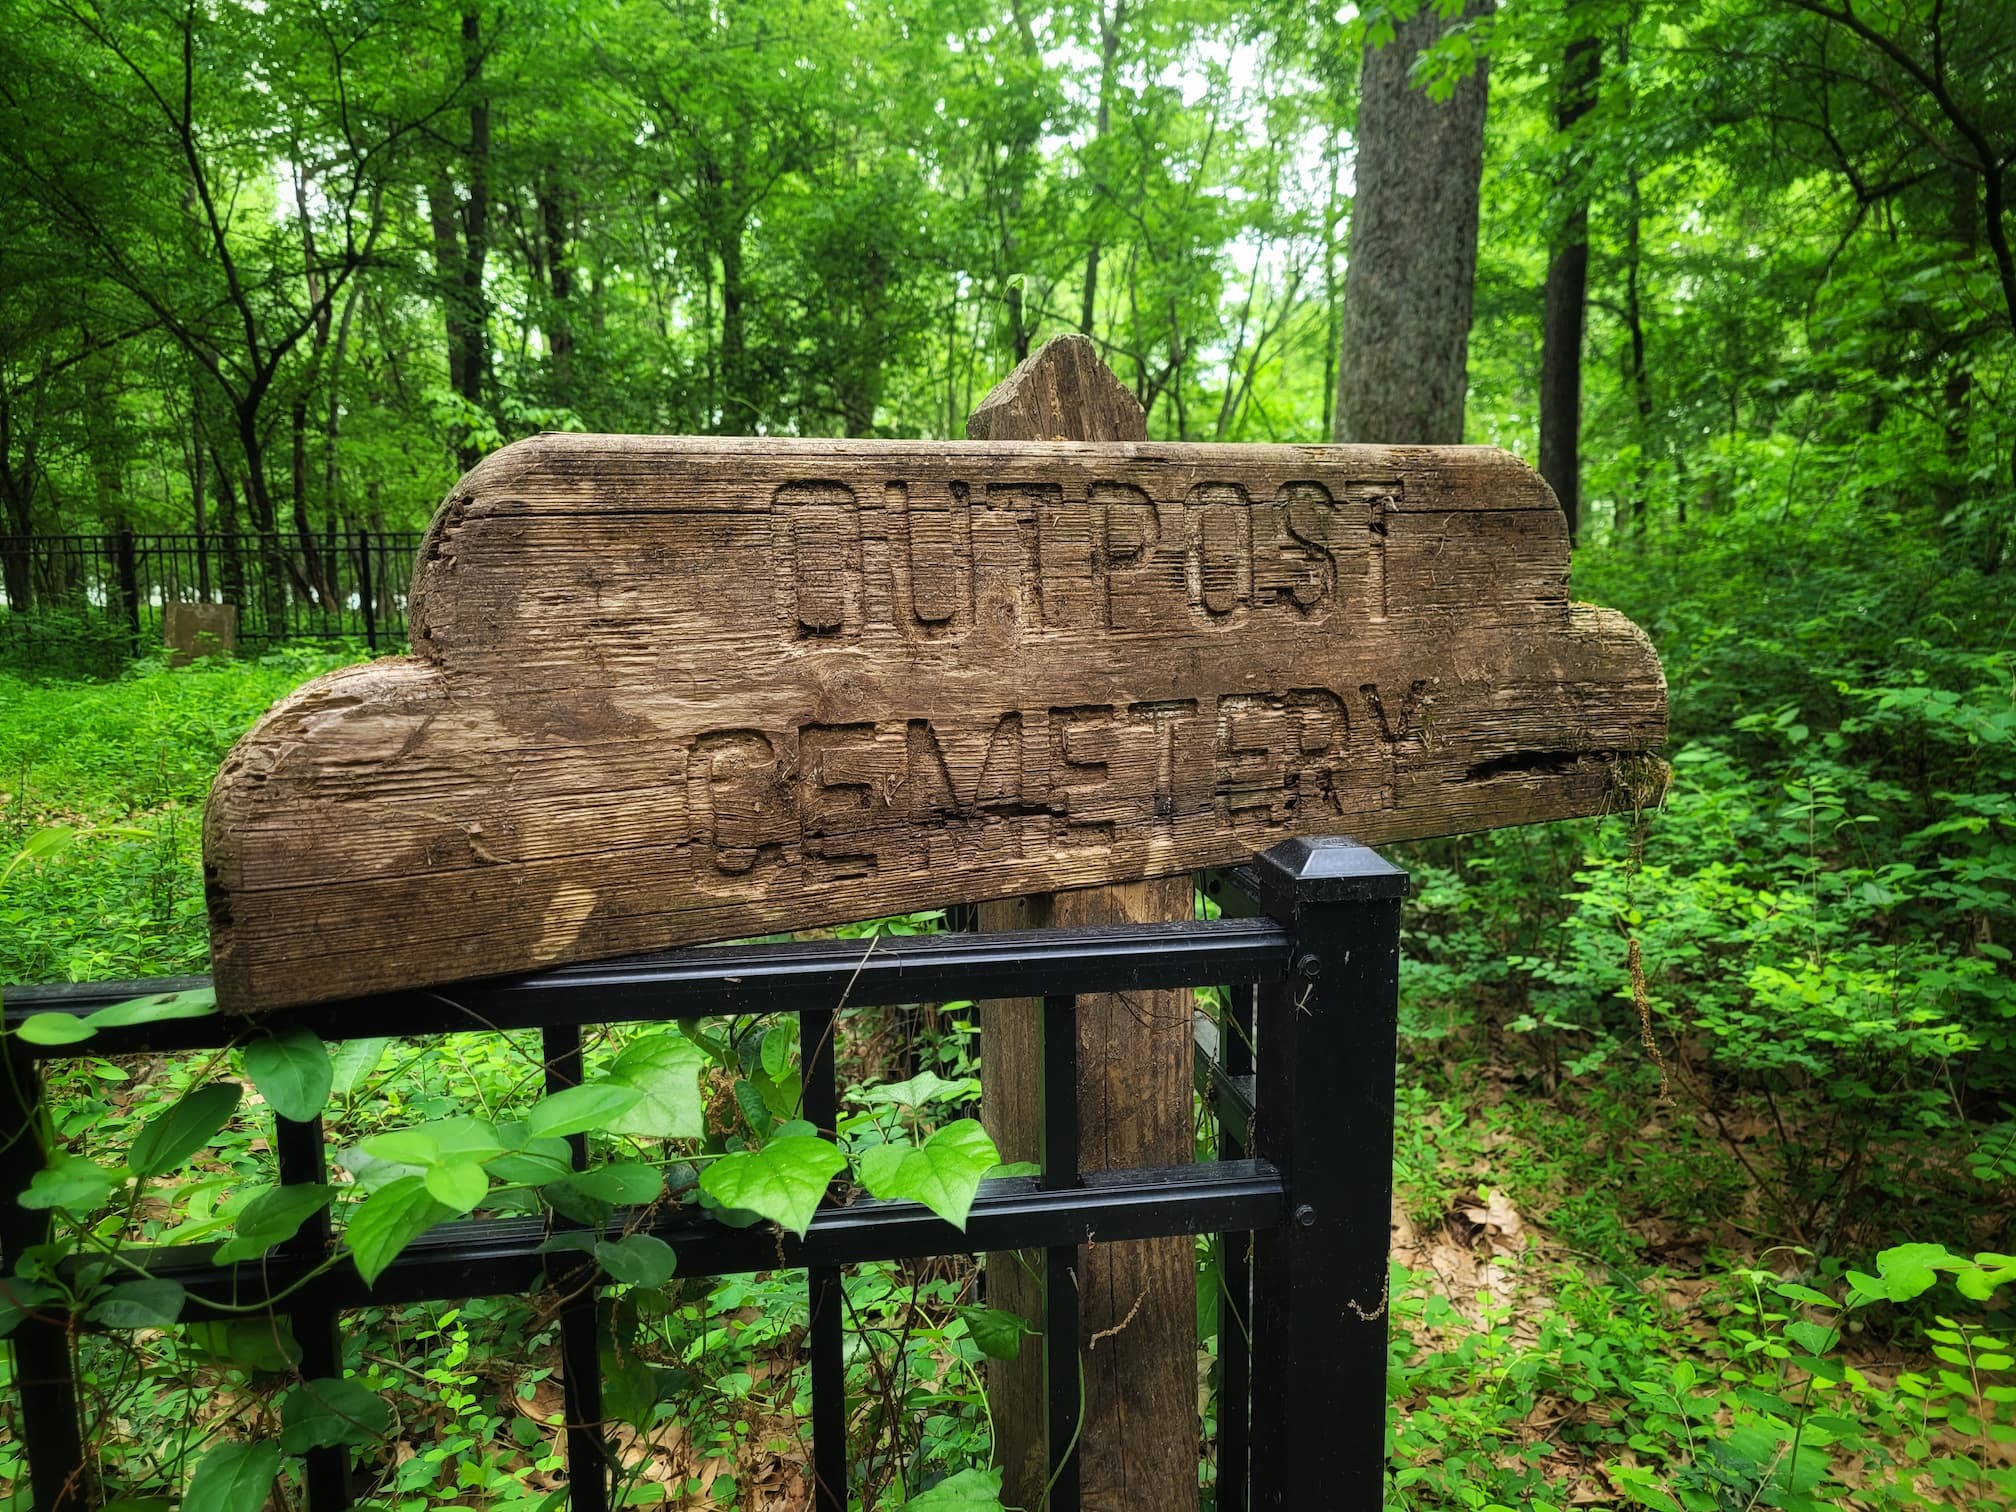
(293, 265)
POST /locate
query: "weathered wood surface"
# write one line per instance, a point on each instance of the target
(1138, 1443)
(671, 690)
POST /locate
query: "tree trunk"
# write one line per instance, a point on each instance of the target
(461, 231)
(1641, 384)
(1402, 366)
(1565, 299)
(1109, 57)
(475, 225)
(17, 495)
(554, 226)
(311, 576)
(737, 403)
(448, 273)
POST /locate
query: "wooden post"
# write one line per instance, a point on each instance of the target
(1138, 1444)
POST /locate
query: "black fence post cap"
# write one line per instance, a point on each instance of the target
(1323, 869)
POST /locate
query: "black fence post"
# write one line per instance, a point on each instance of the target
(1327, 1040)
(59, 1476)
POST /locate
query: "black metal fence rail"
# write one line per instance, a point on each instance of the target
(1304, 1169)
(112, 591)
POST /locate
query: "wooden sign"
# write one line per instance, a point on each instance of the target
(674, 690)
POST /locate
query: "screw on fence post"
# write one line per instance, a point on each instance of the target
(1327, 1042)
(364, 590)
(58, 1474)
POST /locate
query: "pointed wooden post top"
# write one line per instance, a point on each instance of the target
(1063, 391)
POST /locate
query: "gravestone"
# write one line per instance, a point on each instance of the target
(193, 630)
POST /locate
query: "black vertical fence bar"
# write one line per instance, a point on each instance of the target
(1235, 1250)
(1063, 1372)
(59, 1478)
(1327, 1040)
(1235, 1277)
(821, 1106)
(580, 1328)
(317, 1329)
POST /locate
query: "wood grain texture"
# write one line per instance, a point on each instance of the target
(1138, 1445)
(673, 690)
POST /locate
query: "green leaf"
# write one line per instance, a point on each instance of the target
(630, 1182)
(388, 1220)
(352, 1061)
(968, 1491)
(783, 1181)
(152, 1303)
(233, 1478)
(637, 1260)
(292, 1072)
(776, 1051)
(20, 1298)
(1909, 1270)
(462, 1137)
(998, 1333)
(458, 1184)
(156, 1008)
(920, 1090)
(943, 1173)
(665, 1069)
(54, 1029)
(254, 1345)
(70, 1182)
(1814, 1338)
(1793, 1291)
(271, 1218)
(541, 1161)
(576, 1110)
(174, 1134)
(323, 1413)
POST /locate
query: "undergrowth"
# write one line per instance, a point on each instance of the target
(1708, 1113)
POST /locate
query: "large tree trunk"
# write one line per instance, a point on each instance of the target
(1566, 297)
(1407, 287)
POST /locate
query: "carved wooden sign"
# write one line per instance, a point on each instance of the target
(674, 690)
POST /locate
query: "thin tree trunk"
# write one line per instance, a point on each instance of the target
(737, 403)
(1403, 364)
(312, 578)
(554, 224)
(475, 224)
(1109, 56)
(1641, 384)
(1565, 300)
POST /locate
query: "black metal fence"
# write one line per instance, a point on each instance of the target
(1303, 1086)
(107, 595)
